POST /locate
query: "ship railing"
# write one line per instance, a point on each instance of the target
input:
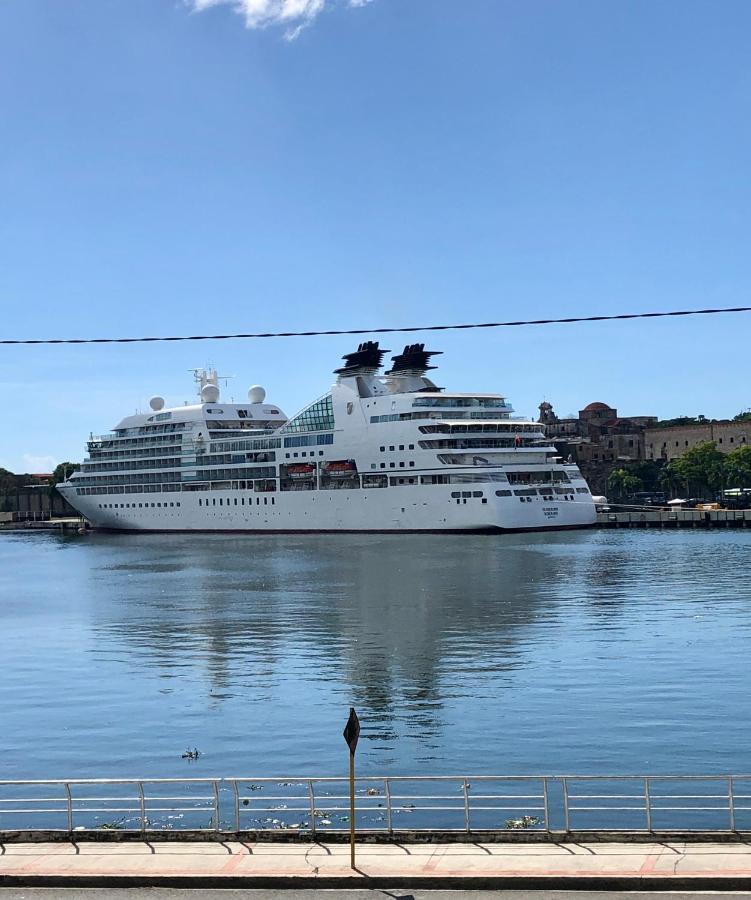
(392, 805)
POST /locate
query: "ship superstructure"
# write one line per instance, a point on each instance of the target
(378, 452)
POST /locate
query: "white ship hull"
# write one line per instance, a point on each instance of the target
(398, 508)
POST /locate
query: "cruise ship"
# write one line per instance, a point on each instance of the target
(380, 451)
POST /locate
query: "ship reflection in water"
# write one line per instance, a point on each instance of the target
(590, 651)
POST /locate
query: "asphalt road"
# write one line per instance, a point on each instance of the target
(317, 894)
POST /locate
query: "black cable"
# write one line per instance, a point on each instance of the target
(279, 334)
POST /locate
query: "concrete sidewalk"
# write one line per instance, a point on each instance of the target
(666, 865)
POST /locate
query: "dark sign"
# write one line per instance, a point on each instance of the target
(352, 730)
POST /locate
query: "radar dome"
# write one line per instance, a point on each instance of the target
(209, 393)
(156, 403)
(256, 394)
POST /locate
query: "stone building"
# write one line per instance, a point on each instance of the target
(671, 441)
(598, 434)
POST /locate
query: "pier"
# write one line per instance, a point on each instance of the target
(62, 524)
(668, 518)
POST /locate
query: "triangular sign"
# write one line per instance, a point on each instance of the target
(352, 730)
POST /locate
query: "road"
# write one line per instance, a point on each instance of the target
(317, 894)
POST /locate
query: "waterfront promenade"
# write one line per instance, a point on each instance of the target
(654, 865)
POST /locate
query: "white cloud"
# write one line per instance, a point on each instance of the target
(37, 464)
(293, 15)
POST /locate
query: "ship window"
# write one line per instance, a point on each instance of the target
(411, 446)
(319, 416)
(458, 493)
(213, 501)
(383, 465)
(382, 449)
(582, 491)
(401, 465)
(273, 501)
(235, 501)
(200, 502)
(477, 493)
(412, 462)
(177, 504)
(401, 446)
(294, 454)
(466, 493)
(503, 493)
(484, 500)
(391, 447)
(265, 501)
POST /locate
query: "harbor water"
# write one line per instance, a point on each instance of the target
(590, 652)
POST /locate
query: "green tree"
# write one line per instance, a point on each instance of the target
(63, 471)
(621, 483)
(702, 468)
(671, 478)
(744, 416)
(647, 471)
(738, 467)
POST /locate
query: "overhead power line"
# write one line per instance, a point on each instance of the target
(466, 326)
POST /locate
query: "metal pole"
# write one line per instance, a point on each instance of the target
(352, 810)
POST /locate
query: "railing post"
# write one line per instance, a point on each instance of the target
(312, 796)
(546, 803)
(648, 803)
(215, 785)
(236, 793)
(69, 798)
(731, 802)
(142, 805)
(567, 822)
(387, 790)
(465, 789)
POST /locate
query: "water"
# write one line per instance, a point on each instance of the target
(598, 651)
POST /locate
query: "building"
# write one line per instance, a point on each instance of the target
(598, 434)
(666, 442)
(31, 497)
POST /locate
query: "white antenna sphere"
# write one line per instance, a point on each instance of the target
(209, 393)
(156, 403)
(256, 394)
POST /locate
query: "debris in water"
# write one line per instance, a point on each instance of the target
(523, 822)
(191, 754)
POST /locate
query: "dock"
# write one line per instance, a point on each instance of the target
(679, 518)
(65, 525)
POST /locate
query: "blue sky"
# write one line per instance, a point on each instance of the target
(172, 167)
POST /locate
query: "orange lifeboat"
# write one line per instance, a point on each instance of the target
(341, 469)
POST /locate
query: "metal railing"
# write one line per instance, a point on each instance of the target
(387, 804)
(110, 804)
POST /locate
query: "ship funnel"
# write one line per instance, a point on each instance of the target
(366, 360)
(414, 360)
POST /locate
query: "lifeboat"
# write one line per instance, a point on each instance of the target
(303, 470)
(342, 469)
